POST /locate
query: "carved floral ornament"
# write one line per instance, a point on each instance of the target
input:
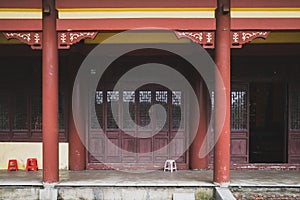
(64, 39)
(206, 39)
(34, 39)
(241, 37)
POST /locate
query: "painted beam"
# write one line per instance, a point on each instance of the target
(134, 23)
(20, 24)
(128, 13)
(21, 4)
(265, 4)
(134, 4)
(265, 23)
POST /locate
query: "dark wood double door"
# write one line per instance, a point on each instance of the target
(259, 122)
(137, 129)
(265, 123)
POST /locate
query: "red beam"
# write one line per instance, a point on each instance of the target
(50, 95)
(174, 24)
(264, 4)
(222, 95)
(134, 4)
(265, 24)
(125, 24)
(20, 24)
(20, 4)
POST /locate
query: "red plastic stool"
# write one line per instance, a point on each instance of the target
(12, 165)
(31, 164)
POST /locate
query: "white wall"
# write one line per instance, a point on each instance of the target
(23, 150)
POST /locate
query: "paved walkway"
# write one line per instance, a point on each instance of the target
(201, 178)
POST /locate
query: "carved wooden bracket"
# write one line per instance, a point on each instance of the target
(64, 39)
(206, 39)
(241, 37)
(34, 39)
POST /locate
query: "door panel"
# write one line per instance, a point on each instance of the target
(138, 133)
(294, 144)
(239, 147)
(113, 154)
(239, 123)
(294, 124)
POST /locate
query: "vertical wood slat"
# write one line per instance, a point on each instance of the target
(294, 124)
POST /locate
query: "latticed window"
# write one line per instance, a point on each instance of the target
(97, 116)
(128, 109)
(144, 109)
(239, 110)
(20, 112)
(294, 107)
(112, 109)
(177, 110)
(61, 111)
(133, 108)
(161, 98)
(36, 112)
(4, 112)
(21, 99)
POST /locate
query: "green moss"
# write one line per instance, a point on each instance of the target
(204, 194)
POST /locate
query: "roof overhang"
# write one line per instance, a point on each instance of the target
(135, 14)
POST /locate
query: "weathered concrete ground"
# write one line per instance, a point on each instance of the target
(262, 193)
(109, 184)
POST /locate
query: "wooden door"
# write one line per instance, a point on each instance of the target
(239, 124)
(135, 133)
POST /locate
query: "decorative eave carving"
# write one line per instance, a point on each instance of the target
(206, 39)
(241, 37)
(64, 39)
(34, 39)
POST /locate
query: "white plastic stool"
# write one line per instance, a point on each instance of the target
(170, 165)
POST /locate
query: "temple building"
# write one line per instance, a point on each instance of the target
(255, 45)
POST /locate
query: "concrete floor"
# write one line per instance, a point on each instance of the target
(203, 178)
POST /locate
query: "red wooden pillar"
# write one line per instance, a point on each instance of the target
(76, 147)
(50, 93)
(200, 160)
(222, 94)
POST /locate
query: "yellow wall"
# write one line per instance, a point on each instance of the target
(279, 37)
(136, 37)
(21, 151)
